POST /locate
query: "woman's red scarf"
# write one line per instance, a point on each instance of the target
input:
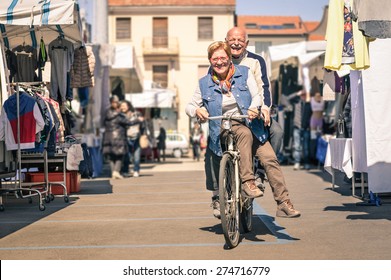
(225, 85)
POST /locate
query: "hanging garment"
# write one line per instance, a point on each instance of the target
(315, 85)
(42, 58)
(56, 113)
(335, 40)
(31, 122)
(348, 43)
(74, 157)
(286, 78)
(26, 59)
(61, 53)
(82, 72)
(328, 85)
(373, 17)
(12, 64)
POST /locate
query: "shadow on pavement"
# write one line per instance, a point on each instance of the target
(19, 213)
(365, 211)
(95, 186)
(263, 225)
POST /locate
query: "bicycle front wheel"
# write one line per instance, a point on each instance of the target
(229, 203)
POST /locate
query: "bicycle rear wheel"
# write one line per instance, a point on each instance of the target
(246, 215)
(229, 203)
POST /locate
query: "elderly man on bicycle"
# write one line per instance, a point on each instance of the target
(229, 89)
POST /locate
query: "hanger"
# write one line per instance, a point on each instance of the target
(60, 47)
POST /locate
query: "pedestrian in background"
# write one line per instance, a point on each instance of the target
(161, 143)
(195, 140)
(301, 129)
(133, 134)
(114, 144)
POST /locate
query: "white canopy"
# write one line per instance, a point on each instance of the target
(154, 98)
(23, 21)
(304, 51)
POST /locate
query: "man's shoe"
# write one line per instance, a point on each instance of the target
(250, 189)
(296, 166)
(216, 207)
(136, 174)
(286, 210)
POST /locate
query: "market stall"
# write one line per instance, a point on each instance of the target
(37, 37)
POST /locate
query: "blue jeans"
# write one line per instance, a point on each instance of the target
(301, 145)
(134, 155)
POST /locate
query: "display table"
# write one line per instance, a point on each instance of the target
(339, 157)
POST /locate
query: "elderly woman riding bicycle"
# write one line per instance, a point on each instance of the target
(229, 89)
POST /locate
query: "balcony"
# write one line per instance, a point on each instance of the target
(160, 46)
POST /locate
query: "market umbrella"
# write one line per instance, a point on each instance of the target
(25, 21)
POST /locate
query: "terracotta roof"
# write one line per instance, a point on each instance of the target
(311, 25)
(315, 37)
(272, 25)
(171, 2)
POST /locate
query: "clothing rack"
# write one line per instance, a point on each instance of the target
(31, 189)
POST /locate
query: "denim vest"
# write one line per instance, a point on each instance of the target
(212, 99)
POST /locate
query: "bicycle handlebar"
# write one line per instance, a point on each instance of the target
(235, 117)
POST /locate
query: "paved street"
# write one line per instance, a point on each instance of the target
(166, 214)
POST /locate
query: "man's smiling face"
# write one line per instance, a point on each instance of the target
(237, 41)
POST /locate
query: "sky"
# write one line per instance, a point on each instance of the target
(308, 10)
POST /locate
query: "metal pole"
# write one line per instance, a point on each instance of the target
(100, 22)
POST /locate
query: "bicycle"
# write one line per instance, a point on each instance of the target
(235, 209)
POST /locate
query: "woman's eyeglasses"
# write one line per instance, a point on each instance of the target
(223, 59)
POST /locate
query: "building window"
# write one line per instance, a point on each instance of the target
(160, 75)
(262, 47)
(289, 26)
(123, 28)
(251, 26)
(160, 33)
(205, 28)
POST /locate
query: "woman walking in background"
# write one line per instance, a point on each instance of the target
(115, 144)
(133, 134)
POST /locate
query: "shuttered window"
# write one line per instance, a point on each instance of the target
(160, 32)
(205, 28)
(123, 28)
(160, 75)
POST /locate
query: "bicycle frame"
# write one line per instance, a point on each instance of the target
(230, 144)
(231, 200)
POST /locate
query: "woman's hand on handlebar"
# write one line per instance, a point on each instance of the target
(202, 114)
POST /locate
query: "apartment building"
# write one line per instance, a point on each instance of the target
(169, 40)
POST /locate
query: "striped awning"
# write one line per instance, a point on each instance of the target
(23, 21)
